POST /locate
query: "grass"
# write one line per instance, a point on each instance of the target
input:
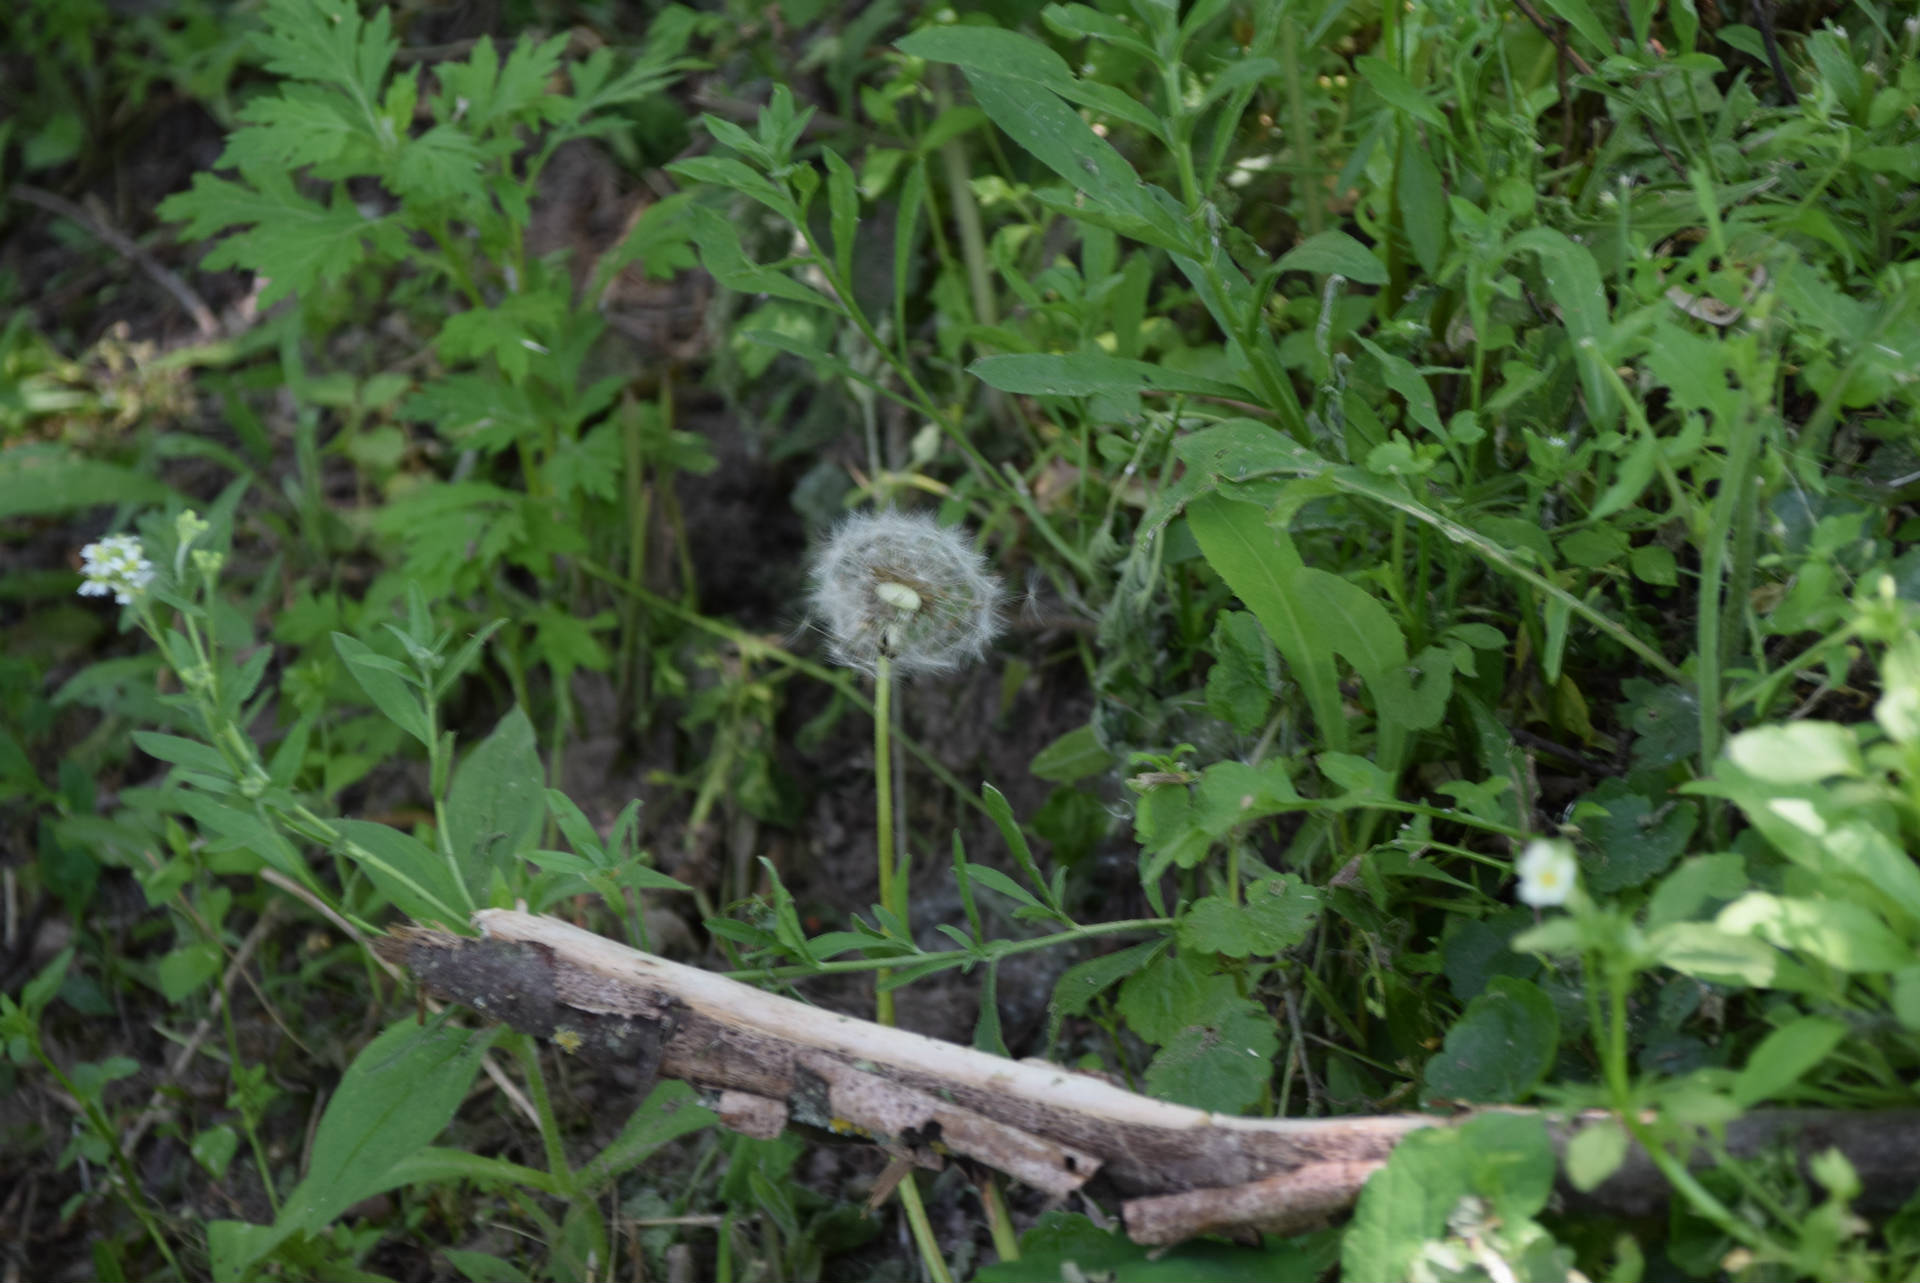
(1416, 438)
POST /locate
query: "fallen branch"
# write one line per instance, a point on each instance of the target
(765, 1062)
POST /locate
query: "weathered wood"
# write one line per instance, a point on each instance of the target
(766, 1062)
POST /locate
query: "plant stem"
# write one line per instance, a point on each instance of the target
(528, 1053)
(909, 1194)
(890, 895)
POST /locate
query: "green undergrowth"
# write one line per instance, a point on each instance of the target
(1461, 457)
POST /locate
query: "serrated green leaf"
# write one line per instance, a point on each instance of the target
(1276, 914)
(294, 242)
(1222, 1065)
(1635, 840)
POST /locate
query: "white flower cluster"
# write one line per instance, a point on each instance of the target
(901, 586)
(117, 565)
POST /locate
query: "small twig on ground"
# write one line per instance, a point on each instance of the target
(125, 245)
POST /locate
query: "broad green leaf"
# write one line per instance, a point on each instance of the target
(1500, 1048)
(417, 880)
(1175, 992)
(1335, 253)
(1595, 1153)
(1696, 883)
(1234, 793)
(1081, 983)
(1585, 21)
(1803, 752)
(1404, 378)
(1422, 199)
(1634, 839)
(1073, 756)
(1784, 1056)
(1505, 1159)
(39, 481)
(395, 1097)
(393, 696)
(1012, 56)
(497, 801)
(1260, 565)
(1089, 374)
(1380, 76)
(1709, 953)
(241, 825)
(1846, 936)
(1573, 279)
(1221, 1064)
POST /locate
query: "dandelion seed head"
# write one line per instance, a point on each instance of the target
(902, 586)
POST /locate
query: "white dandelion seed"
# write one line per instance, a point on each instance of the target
(902, 586)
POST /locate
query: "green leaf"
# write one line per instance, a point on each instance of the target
(1846, 936)
(1803, 752)
(1709, 953)
(1698, 882)
(497, 801)
(1573, 279)
(1081, 983)
(1067, 1245)
(1784, 1057)
(40, 481)
(1506, 1159)
(191, 754)
(1584, 20)
(1594, 546)
(393, 696)
(1276, 915)
(1500, 1048)
(416, 879)
(1232, 794)
(1334, 253)
(1261, 567)
(294, 242)
(1073, 756)
(1595, 1153)
(1090, 374)
(1634, 840)
(1380, 76)
(1241, 683)
(1404, 378)
(396, 1096)
(326, 41)
(1011, 56)
(1174, 993)
(1222, 1064)
(1422, 198)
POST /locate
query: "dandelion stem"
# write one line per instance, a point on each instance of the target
(891, 898)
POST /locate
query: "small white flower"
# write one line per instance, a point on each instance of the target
(1547, 872)
(117, 565)
(903, 586)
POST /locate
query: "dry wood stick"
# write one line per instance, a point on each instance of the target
(766, 1062)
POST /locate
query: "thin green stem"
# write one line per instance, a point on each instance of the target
(890, 896)
(1004, 949)
(909, 1194)
(527, 1052)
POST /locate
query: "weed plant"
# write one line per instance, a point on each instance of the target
(1462, 461)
